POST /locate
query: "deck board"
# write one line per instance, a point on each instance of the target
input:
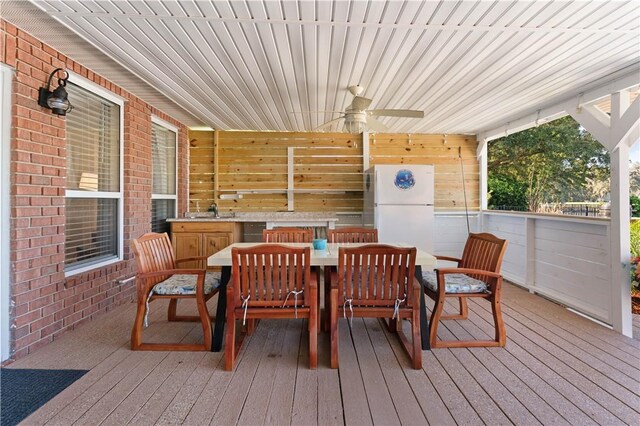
(381, 405)
(354, 396)
(280, 404)
(557, 368)
(610, 379)
(580, 390)
(406, 405)
(262, 386)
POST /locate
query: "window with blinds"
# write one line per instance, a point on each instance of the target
(93, 192)
(164, 193)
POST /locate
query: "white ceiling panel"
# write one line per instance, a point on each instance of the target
(286, 65)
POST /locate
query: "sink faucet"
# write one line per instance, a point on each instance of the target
(214, 209)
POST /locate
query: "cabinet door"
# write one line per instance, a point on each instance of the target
(213, 243)
(188, 245)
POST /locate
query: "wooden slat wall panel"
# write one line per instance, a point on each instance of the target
(201, 169)
(257, 161)
(442, 152)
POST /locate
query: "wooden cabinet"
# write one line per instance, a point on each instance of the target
(191, 239)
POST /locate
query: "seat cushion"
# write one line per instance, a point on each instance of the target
(186, 284)
(454, 283)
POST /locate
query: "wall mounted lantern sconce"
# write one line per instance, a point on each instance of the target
(57, 101)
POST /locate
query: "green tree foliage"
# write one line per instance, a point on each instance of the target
(634, 200)
(506, 192)
(634, 178)
(555, 162)
(635, 238)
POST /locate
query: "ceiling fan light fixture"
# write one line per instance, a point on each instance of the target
(354, 127)
(355, 122)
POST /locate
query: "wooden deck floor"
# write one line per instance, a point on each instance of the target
(557, 368)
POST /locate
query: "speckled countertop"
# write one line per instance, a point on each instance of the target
(260, 217)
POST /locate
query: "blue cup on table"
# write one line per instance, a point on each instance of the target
(320, 244)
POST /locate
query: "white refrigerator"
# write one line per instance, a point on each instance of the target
(398, 201)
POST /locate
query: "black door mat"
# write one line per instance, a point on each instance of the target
(23, 391)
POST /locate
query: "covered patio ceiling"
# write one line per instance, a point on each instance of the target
(264, 65)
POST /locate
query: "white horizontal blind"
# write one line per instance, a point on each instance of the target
(91, 225)
(164, 194)
(93, 146)
(161, 210)
(93, 180)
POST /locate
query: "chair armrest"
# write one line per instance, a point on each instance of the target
(191, 259)
(467, 271)
(416, 283)
(448, 258)
(171, 272)
(417, 293)
(313, 282)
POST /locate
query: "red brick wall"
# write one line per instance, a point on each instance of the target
(45, 303)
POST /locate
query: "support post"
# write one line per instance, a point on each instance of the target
(620, 220)
(365, 151)
(290, 171)
(216, 167)
(613, 132)
(482, 154)
(620, 244)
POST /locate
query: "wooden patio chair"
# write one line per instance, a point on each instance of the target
(477, 275)
(158, 277)
(287, 235)
(270, 281)
(353, 234)
(377, 281)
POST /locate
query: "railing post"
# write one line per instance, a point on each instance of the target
(530, 250)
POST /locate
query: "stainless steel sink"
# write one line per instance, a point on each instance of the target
(209, 215)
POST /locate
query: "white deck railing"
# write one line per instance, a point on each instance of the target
(565, 258)
(450, 232)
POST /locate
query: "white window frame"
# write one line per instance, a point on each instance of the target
(110, 96)
(6, 78)
(174, 129)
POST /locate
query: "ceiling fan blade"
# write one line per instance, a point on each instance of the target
(360, 104)
(306, 111)
(328, 123)
(376, 125)
(396, 113)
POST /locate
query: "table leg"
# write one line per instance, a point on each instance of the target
(424, 321)
(327, 288)
(221, 311)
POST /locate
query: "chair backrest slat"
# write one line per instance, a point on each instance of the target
(268, 273)
(353, 235)
(153, 252)
(287, 235)
(376, 274)
(483, 251)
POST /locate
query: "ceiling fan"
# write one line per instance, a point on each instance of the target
(357, 118)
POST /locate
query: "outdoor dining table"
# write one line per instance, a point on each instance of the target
(319, 258)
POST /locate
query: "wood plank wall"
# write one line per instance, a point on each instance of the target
(328, 165)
